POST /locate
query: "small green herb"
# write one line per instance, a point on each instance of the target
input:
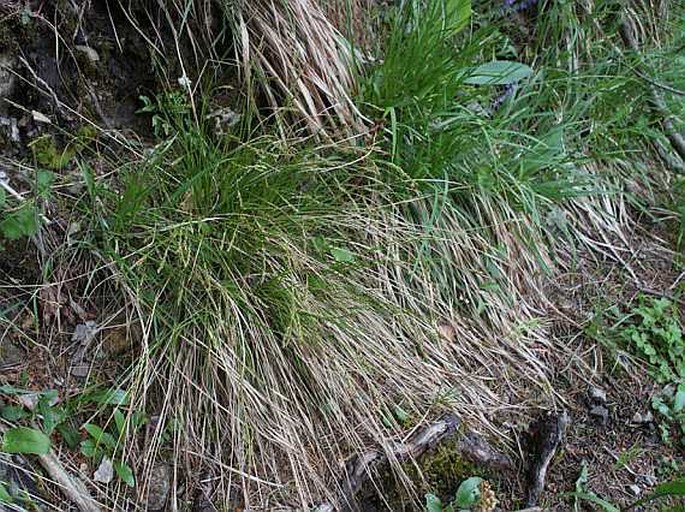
(25, 440)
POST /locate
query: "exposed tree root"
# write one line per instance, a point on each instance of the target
(548, 433)
(471, 446)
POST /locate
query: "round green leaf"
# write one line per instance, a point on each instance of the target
(433, 503)
(468, 493)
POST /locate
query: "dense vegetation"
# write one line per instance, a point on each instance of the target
(362, 240)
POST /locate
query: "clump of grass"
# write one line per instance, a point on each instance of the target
(260, 270)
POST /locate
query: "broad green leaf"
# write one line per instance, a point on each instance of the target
(47, 408)
(401, 415)
(468, 492)
(119, 421)
(100, 436)
(125, 472)
(544, 153)
(342, 255)
(5, 496)
(593, 498)
(12, 390)
(14, 413)
(498, 72)
(138, 419)
(25, 440)
(433, 503)
(3, 197)
(20, 223)
(113, 396)
(674, 488)
(88, 448)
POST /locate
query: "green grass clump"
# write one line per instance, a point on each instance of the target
(260, 270)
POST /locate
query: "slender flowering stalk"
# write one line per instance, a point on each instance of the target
(509, 90)
(519, 5)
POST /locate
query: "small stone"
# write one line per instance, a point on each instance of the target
(635, 490)
(88, 52)
(158, 487)
(447, 332)
(29, 400)
(597, 395)
(39, 117)
(105, 472)
(600, 412)
(9, 126)
(642, 419)
(649, 480)
(80, 370)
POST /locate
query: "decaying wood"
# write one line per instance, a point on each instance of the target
(548, 433)
(478, 451)
(358, 468)
(470, 445)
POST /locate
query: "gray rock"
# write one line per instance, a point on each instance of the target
(89, 52)
(600, 412)
(635, 490)
(12, 356)
(648, 480)
(597, 395)
(158, 487)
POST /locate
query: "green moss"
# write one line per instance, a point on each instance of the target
(440, 471)
(84, 134)
(48, 155)
(443, 469)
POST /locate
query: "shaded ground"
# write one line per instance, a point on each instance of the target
(617, 437)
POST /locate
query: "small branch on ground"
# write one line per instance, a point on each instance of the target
(73, 487)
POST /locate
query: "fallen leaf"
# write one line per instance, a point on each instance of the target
(447, 332)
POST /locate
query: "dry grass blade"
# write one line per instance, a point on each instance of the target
(301, 61)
